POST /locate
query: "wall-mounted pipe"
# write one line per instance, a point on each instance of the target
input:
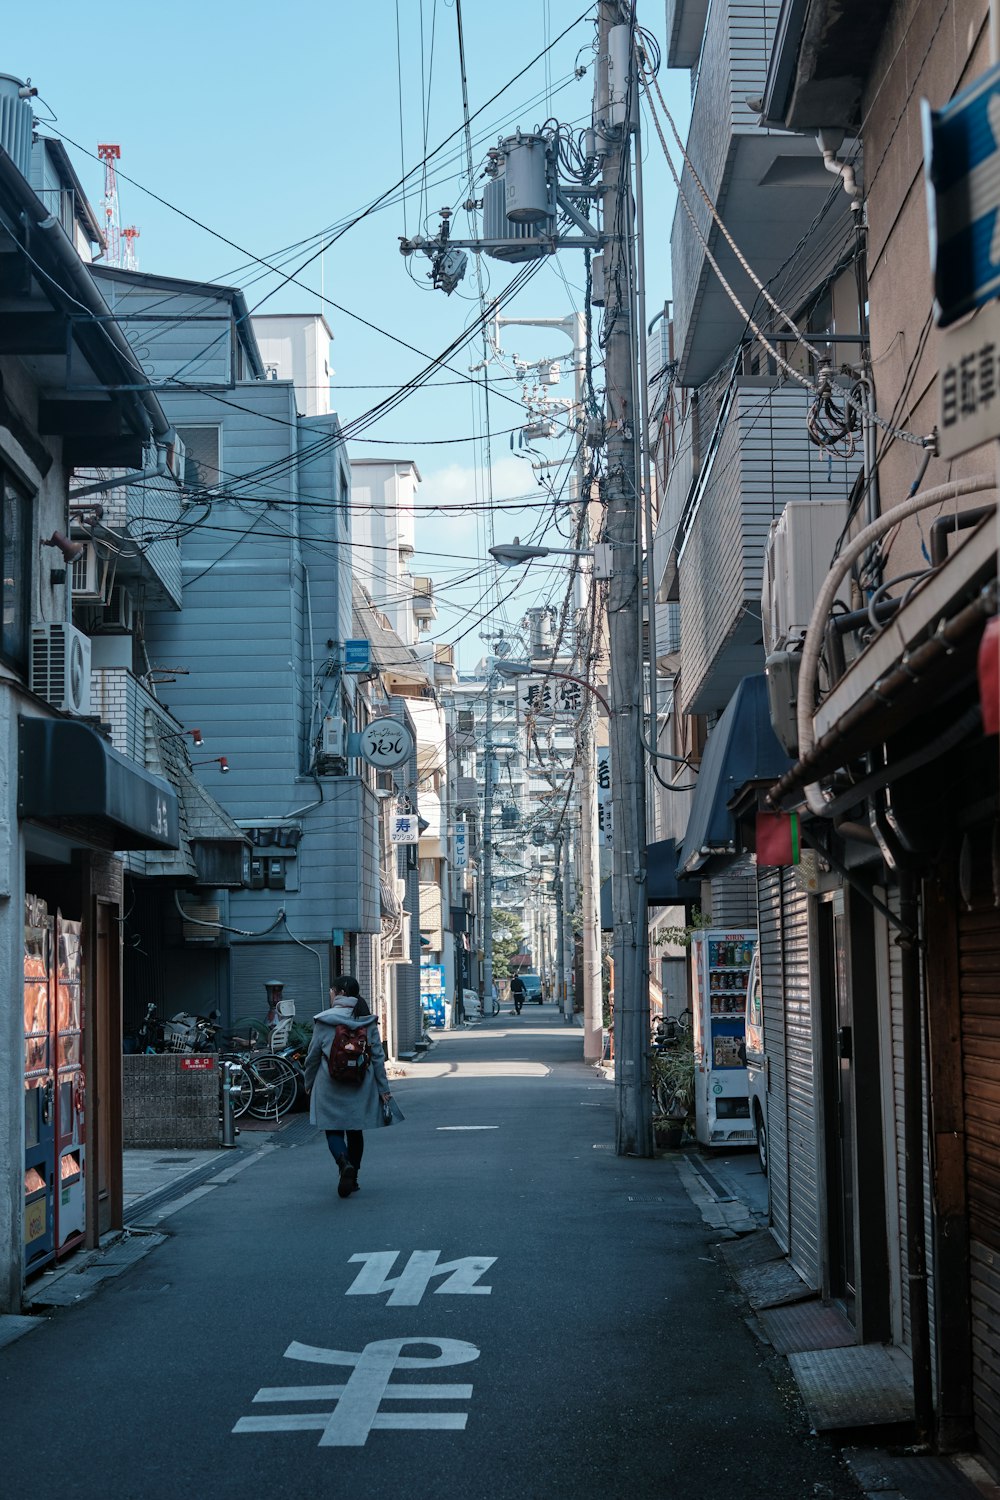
(812, 643)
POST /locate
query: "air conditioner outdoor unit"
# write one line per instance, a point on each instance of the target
(60, 666)
(334, 740)
(88, 576)
(797, 558)
(399, 948)
(118, 615)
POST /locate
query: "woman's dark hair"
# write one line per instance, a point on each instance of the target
(346, 984)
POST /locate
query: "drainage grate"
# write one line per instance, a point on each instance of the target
(602, 1147)
(644, 1198)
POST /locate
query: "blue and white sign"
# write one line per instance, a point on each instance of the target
(357, 656)
(962, 168)
(461, 847)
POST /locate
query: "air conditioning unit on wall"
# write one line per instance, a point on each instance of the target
(60, 666)
(118, 615)
(398, 951)
(89, 576)
(797, 558)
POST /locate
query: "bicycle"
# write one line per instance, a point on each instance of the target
(262, 1083)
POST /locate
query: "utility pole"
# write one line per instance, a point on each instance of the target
(616, 108)
(574, 326)
(488, 843)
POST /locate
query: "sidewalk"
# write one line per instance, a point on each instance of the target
(848, 1389)
(156, 1183)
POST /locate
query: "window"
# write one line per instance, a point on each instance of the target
(15, 557)
(202, 455)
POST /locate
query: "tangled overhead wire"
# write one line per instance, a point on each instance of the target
(831, 425)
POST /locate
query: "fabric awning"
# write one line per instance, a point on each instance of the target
(742, 747)
(663, 886)
(69, 776)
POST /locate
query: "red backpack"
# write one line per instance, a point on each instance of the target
(350, 1055)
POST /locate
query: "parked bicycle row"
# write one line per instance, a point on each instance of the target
(264, 1080)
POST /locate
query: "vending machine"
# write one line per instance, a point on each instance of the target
(39, 1091)
(720, 966)
(55, 1141)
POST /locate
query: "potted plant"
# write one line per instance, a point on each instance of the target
(672, 1078)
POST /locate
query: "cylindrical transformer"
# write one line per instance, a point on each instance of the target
(619, 67)
(525, 177)
(597, 280)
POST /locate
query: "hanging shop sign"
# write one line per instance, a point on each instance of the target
(405, 828)
(386, 743)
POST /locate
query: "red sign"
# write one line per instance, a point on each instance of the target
(198, 1064)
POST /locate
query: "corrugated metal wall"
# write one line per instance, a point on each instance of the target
(772, 972)
(789, 1041)
(805, 1247)
(306, 980)
(734, 902)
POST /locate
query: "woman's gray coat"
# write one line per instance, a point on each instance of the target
(344, 1106)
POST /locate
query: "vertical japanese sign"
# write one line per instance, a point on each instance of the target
(460, 846)
(604, 822)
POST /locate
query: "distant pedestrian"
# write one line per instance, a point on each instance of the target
(346, 1110)
(518, 993)
(496, 996)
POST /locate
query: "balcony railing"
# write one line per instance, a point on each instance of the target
(759, 459)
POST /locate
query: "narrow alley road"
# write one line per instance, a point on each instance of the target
(505, 1309)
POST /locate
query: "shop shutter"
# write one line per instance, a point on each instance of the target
(305, 981)
(773, 989)
(979, 970)
(803, 1152)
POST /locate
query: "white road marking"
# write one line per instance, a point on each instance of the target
(358, 1402)
(468, 1127)
(392, 1393)
(409, 1286)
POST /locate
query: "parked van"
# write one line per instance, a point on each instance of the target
(757, 1058)
(533, 987)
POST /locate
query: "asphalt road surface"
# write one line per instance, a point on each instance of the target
(505, 1309)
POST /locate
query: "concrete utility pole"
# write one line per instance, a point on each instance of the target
(488, 843)
(574, 326)
(616, 108)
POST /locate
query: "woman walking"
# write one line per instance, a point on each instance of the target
(345, 1110)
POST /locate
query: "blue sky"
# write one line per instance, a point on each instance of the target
(266, 125)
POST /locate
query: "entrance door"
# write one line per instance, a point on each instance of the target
(838, 1087)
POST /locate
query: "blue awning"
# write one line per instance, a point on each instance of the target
(663, 885)
(741, 748)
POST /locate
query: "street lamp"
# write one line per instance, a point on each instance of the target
(593, 1009)
(512, 554)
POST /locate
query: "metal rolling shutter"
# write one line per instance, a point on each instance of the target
(803, 1173)
(773, 989)
(979, 936)
(305, 982)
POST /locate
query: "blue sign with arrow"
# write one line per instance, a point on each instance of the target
(962, 167)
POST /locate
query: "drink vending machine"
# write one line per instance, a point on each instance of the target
(720, 962)
(54, 1090)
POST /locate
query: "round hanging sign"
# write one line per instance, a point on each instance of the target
(386, 743)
